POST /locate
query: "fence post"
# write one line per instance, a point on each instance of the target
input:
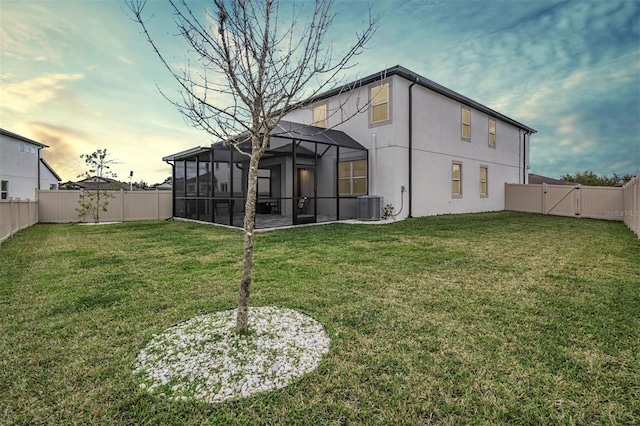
(157, 204)
(11, 214)
(122, 200)
(37, 215)
(578, 200)
(544, 198)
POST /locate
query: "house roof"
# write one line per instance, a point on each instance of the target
(163, 186)
(303, 132)
(424, 82)
(22, 138)
(538, 179)
(53, 172)
(106, 184)
(289, 130)
(187, 153)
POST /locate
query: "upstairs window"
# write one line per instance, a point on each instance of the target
(492, 133)
(379, 103)
(484, 186)
(320, 116)
(466, 124)
(29, 149)
(352, 177)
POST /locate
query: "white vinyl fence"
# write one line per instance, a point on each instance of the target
(631, 208)
(597, 202)
(60, 207)
(16, 215)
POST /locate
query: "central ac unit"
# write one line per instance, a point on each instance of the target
(369, 207)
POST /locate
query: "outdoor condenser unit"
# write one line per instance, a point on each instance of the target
(369, 207)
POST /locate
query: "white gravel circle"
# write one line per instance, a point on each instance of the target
(204, 359)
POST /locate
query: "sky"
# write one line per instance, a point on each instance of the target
(80, 75)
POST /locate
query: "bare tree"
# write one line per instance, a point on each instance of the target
(254, 65)
(96, 200)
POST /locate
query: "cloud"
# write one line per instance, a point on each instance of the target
(124, 60)
(33, 33)
(66, 144)
(27, 95)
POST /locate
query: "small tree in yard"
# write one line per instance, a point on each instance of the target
(255, 65)
(95, 201)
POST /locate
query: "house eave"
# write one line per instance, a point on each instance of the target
(426, 83)
(22, 138)
(187, 153)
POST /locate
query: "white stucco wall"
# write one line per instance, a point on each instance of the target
(19, 168)
(437, 143)
(47, 179)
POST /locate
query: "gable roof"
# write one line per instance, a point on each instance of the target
(424, 82)
(22, 138)
(53, 172)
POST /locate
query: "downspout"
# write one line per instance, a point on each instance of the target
(524, 157)
(410, 147)
(374, 162)
(38, 165)
(519, 151)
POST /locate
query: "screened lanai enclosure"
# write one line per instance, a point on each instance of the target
(307, 175)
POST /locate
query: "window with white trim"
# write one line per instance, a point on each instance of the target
(352, 177)
(466, 124)
(492, 133)
(4, 189)
(379, 95)
(456, 180)
(484, 181)
(320, 116)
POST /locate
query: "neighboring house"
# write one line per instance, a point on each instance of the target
(163, 186)
(538, 179)
(22, 168)
(94, 183)
(421, 147)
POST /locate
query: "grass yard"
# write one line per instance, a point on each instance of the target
(499, 318)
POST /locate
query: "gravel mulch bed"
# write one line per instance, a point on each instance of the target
(204, 359)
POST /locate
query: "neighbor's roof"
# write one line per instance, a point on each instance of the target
(424, 82)
(538, 179)
(22, 138)
(106, 184)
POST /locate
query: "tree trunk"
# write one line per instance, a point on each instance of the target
(247, 263)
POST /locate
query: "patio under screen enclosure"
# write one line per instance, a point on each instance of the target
(307, 175)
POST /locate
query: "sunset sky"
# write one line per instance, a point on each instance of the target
(79, 75)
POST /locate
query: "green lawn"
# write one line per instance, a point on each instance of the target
(499, 318)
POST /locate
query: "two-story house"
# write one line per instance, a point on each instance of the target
(418, 146)
(22, 168)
